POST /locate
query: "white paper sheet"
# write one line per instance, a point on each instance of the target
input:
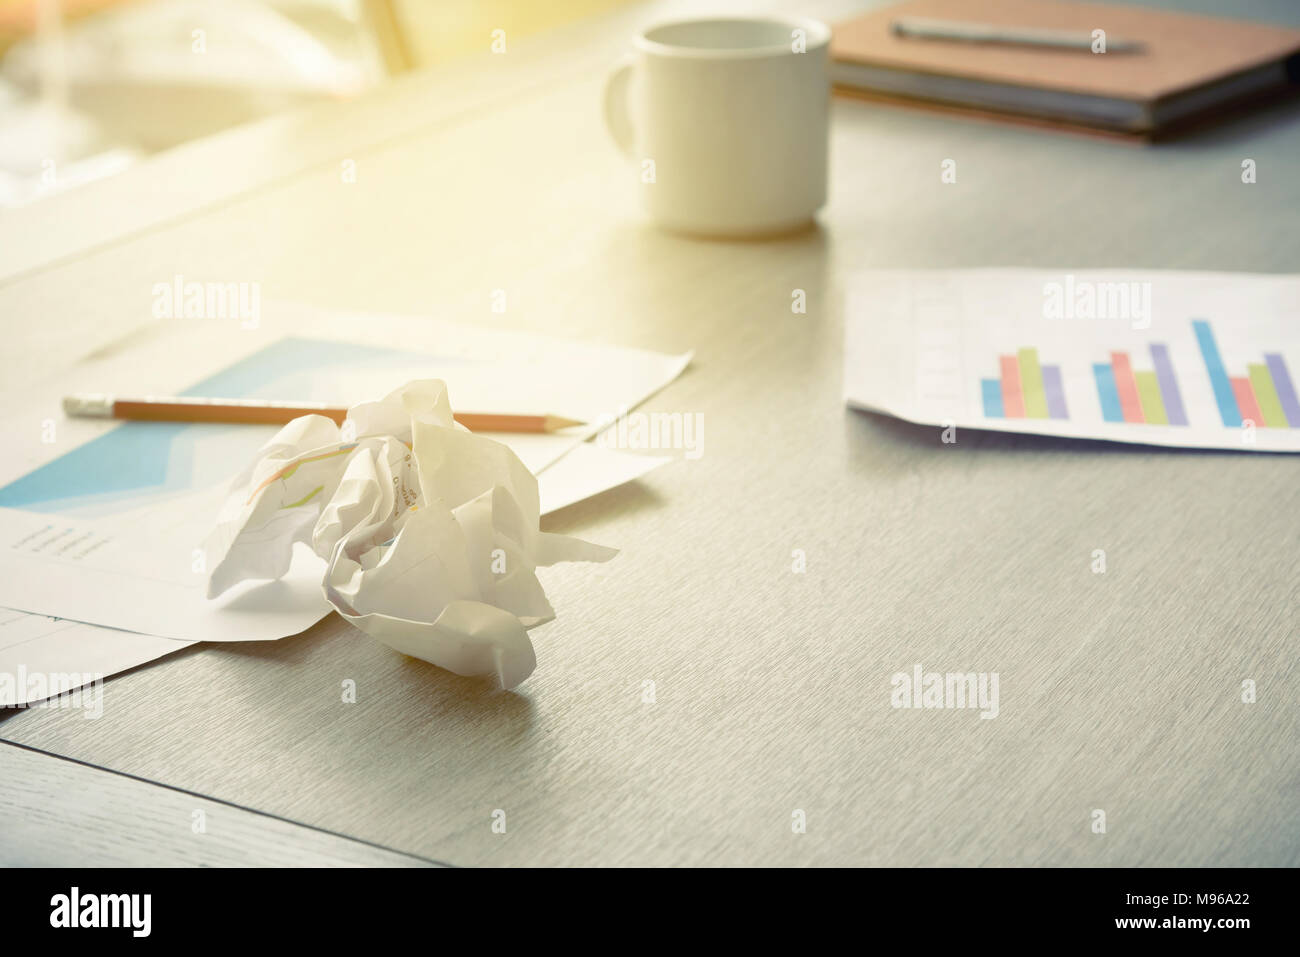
(32, 644)
(587, 470)
(1208, 360)
(87, 495)
(40, 655)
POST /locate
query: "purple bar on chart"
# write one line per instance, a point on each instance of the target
(1285, 388)
(1055, 394)
(1173, 400)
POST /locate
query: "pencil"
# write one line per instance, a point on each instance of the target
(269, 412)
(931, 28)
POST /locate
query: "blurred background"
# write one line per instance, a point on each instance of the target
(89, 87)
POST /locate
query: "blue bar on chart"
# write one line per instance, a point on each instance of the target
(1219, 381)
(1111, 411)
(992, 389)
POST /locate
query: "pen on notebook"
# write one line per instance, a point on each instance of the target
(268, 412)
(928, 28)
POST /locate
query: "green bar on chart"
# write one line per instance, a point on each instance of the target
(1031, 384)
(1270, 406)
(1153, 406)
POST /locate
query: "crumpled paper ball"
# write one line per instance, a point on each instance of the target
(429, 531)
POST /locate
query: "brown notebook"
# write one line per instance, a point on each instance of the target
(1189, 66)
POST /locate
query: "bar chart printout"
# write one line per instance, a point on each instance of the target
(1215, 366)
(1140, 396)
(1266, 395)
(1025, 389)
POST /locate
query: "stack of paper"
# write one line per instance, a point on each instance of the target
(101, 522)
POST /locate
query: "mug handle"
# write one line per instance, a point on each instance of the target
(618, 118)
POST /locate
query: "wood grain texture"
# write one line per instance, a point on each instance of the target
(59, 813)
(1119, 691)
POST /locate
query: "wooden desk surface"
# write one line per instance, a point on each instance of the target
(1119, 691)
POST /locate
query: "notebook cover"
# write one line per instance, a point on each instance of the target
(1183, 51)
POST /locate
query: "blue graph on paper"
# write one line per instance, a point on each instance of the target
(136, 460)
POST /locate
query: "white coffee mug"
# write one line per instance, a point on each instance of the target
(727, 120)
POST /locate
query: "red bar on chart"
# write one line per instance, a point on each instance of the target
(1013, 399)
(1126, 386)
(1246, 403)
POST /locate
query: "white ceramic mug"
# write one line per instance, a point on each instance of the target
(727, 120)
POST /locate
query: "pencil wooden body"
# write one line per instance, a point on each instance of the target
(277, 413)
(145, 411)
